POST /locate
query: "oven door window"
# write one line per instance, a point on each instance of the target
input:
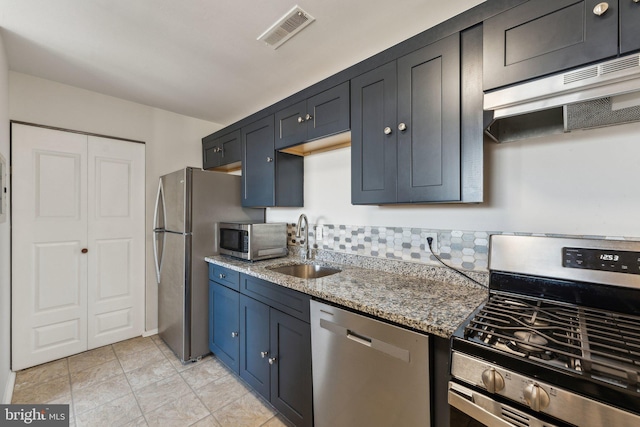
(233, 240)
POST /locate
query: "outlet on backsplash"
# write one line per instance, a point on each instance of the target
(434, 243)
(318, 232)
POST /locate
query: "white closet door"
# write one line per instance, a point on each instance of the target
(49, 231)
(116, 240)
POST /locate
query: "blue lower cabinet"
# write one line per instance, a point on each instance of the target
(291, 377)
(254, 345)
(269, 347)
(224, 324)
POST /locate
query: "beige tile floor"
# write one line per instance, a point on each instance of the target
(140, 382)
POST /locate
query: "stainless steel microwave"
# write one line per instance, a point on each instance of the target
(252, 241)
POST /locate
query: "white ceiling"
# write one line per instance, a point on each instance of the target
(201, 58)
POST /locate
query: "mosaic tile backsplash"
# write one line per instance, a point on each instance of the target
(468, 250)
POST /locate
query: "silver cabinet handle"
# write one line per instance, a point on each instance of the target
(264, 354)
(234, 334)
(601, 8)
(272, 360)
(222, 276)
(308, 117)
(300, 119)
(269, 159)
(387, 130)
(402, 127)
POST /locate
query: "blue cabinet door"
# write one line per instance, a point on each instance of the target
(254, 344)
(224, 324)
(291, 377)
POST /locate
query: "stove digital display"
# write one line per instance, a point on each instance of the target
(602, 259)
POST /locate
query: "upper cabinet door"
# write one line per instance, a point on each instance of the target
(291, 125)
(258, 164)
(222, 150)
(373, 136)
(328, 112)
(546, 36)
(319, 116)
(629, 19)
(429, 123)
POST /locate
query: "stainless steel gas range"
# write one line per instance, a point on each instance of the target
(558, 341)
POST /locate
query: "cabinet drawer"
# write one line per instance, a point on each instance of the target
(224, 276)
(286, 300)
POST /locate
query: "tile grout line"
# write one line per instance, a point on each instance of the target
(132, 391)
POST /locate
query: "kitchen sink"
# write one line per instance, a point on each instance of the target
(305, 271)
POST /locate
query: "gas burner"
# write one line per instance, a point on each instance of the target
(528, 342)
(535, 321)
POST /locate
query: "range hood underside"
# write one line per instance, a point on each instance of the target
(600, 95)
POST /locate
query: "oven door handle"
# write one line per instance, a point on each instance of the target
(465, 399)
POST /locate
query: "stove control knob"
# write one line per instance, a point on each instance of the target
(492, 380)
(536, 397)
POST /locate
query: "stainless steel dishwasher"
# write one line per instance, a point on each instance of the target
(367, 372)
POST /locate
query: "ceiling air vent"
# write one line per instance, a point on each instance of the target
(286, 27)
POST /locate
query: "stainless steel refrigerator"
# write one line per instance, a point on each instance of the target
(189, 204)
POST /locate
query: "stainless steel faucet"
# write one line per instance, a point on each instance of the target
(306, 234)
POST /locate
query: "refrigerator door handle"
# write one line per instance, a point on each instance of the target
(156, 258)
(158, 228)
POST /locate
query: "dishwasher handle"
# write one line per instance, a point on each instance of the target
(354, 336)
(373, 343)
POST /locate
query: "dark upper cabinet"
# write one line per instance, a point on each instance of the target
(373, 140)
(629, 19)
(429, 113)
(546, 36)
(405, 136)
(269, 178)
(222, 152)
(321, 115)
(224, 325)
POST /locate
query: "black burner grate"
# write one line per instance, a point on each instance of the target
(602, 344)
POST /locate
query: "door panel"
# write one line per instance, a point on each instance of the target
(258, 164)
(172, 294)
(373, 153)
(546, 36)
(224, 326)
(49, 225)
(291, 376)
(290, 130)
(116, 241)
(254, 339)
(174, 198)
(429, 105)
(629, 34)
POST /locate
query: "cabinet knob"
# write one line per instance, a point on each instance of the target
(269, 159)
(387, 130)
(84, 250)
(308, 117)
(601, 8)
(264, 354)
(636, 1)
(222, 276)
(234, 334)
(402, 127)
(300, 119)
(272, 360)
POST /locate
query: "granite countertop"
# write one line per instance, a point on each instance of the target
(436, 301)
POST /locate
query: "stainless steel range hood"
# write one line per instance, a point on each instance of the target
(599, 95)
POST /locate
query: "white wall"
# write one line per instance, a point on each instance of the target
(584, 183)
(172, 141)
(5, 246)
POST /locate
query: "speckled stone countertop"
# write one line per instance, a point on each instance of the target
(436, 301)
